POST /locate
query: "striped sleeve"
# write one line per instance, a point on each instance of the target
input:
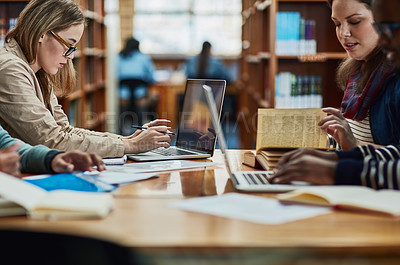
(378, 168)
(389, 152)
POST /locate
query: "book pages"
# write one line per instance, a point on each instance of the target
(346, 197)
(290, 128)
(57, 204)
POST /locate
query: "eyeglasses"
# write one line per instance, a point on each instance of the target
(386, 29)
(71, 48)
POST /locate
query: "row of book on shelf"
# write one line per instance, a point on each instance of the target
(5, 26)
(9, 12)
(298, 91)
(295, 35)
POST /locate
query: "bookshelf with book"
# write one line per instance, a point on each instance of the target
(86, 105)
(289, 59)
(9, 11)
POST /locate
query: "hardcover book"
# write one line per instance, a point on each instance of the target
(282, 130)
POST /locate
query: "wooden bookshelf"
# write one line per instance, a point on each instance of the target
(261, 64)
(9, 11)
(86, 105)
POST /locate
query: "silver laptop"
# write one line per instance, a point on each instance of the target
(195, 134)
(247, 181)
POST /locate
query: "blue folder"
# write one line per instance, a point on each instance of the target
(77, 181)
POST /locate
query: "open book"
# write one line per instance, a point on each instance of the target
(347, 197)
(59, 204)
(283, 130)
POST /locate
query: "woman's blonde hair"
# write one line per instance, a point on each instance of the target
(37, 18)
(349, 65)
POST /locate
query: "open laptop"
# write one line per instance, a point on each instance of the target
(195, 135)
(246, 181)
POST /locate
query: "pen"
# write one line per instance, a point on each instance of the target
(144, 128)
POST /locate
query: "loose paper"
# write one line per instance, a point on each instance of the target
(249, 208)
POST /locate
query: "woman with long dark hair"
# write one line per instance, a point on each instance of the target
(206, 66)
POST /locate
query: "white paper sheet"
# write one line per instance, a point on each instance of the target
(158, 166)
(250, 208)
(111, 177)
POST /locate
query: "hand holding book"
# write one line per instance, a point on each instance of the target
(337, 126)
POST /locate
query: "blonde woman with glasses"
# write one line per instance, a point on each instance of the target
(34, 63)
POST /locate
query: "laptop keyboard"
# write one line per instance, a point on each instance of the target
(171, 151)
(257, 178)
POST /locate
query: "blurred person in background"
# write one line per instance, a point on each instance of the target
(135, 73)
(206, 66)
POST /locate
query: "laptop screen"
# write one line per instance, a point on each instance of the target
(195, 129)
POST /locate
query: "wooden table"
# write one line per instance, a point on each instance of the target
(158, 234)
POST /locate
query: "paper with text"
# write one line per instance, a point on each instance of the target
(290, 128)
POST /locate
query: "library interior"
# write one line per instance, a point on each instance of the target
(273, 54)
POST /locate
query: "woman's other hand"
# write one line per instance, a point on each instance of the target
(337, 126)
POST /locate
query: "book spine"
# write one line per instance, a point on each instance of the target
(297, 91)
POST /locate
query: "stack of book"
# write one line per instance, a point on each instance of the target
(265, 159)
(268, 158)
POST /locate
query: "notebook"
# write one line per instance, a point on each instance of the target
(76, 181)
(247, 181)
(195, 135)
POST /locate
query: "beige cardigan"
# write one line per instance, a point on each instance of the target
(24, 115)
